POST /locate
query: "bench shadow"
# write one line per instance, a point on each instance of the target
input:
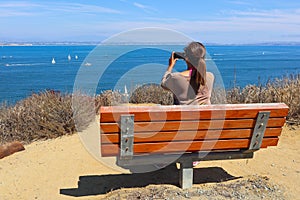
(102, 184)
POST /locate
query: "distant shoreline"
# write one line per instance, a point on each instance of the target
(97, 43)
(46, 44)
(13, 44)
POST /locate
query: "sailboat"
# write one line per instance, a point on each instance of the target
(69, 57)
(125, 90)
(76, 57)
(53, 61)
(125, 94)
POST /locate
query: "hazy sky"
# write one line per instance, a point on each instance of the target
(217, 21)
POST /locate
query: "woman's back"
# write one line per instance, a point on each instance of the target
(184, 93)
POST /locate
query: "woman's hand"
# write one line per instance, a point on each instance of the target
(172, 62)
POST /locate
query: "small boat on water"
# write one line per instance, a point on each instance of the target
(87, 64)
(76, 57)
(69, 57)
(53, 61)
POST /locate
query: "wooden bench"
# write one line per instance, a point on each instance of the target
(145, 135)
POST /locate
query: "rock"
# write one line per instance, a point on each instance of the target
(10, 148)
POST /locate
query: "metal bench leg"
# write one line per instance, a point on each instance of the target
(186, 174)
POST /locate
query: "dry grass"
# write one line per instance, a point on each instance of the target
(255, 187)
(44, 115)
(286, 90)
(151, 93)
(50, 114)
(110, 98)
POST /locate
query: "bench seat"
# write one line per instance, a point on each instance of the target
(170, 129)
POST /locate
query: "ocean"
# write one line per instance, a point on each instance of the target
(29, 69)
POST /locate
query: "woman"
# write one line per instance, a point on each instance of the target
(194, 85)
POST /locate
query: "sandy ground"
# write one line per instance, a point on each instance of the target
(52, 169)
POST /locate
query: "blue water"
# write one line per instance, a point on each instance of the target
(28, 69)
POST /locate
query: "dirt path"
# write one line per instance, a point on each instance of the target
(51, 169)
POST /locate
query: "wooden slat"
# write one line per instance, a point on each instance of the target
(162, 113)
(190, 125)
(165, 147)
(188, 135)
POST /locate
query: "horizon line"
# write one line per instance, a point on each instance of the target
(70, 43)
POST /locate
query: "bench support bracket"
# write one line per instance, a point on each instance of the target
(126, 137)
(259, 130)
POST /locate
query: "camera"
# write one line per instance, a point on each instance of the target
(179, 55)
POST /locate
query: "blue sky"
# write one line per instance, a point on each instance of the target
(218, 21)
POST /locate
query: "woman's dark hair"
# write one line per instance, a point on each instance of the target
(195, 55)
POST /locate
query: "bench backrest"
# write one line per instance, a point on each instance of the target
(177, 129)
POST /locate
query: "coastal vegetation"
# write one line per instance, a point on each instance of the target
(50, 114)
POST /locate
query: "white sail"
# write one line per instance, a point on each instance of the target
(76, 57)
(125, 90)
(69, 57)
(53, 61)
(125, 95)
